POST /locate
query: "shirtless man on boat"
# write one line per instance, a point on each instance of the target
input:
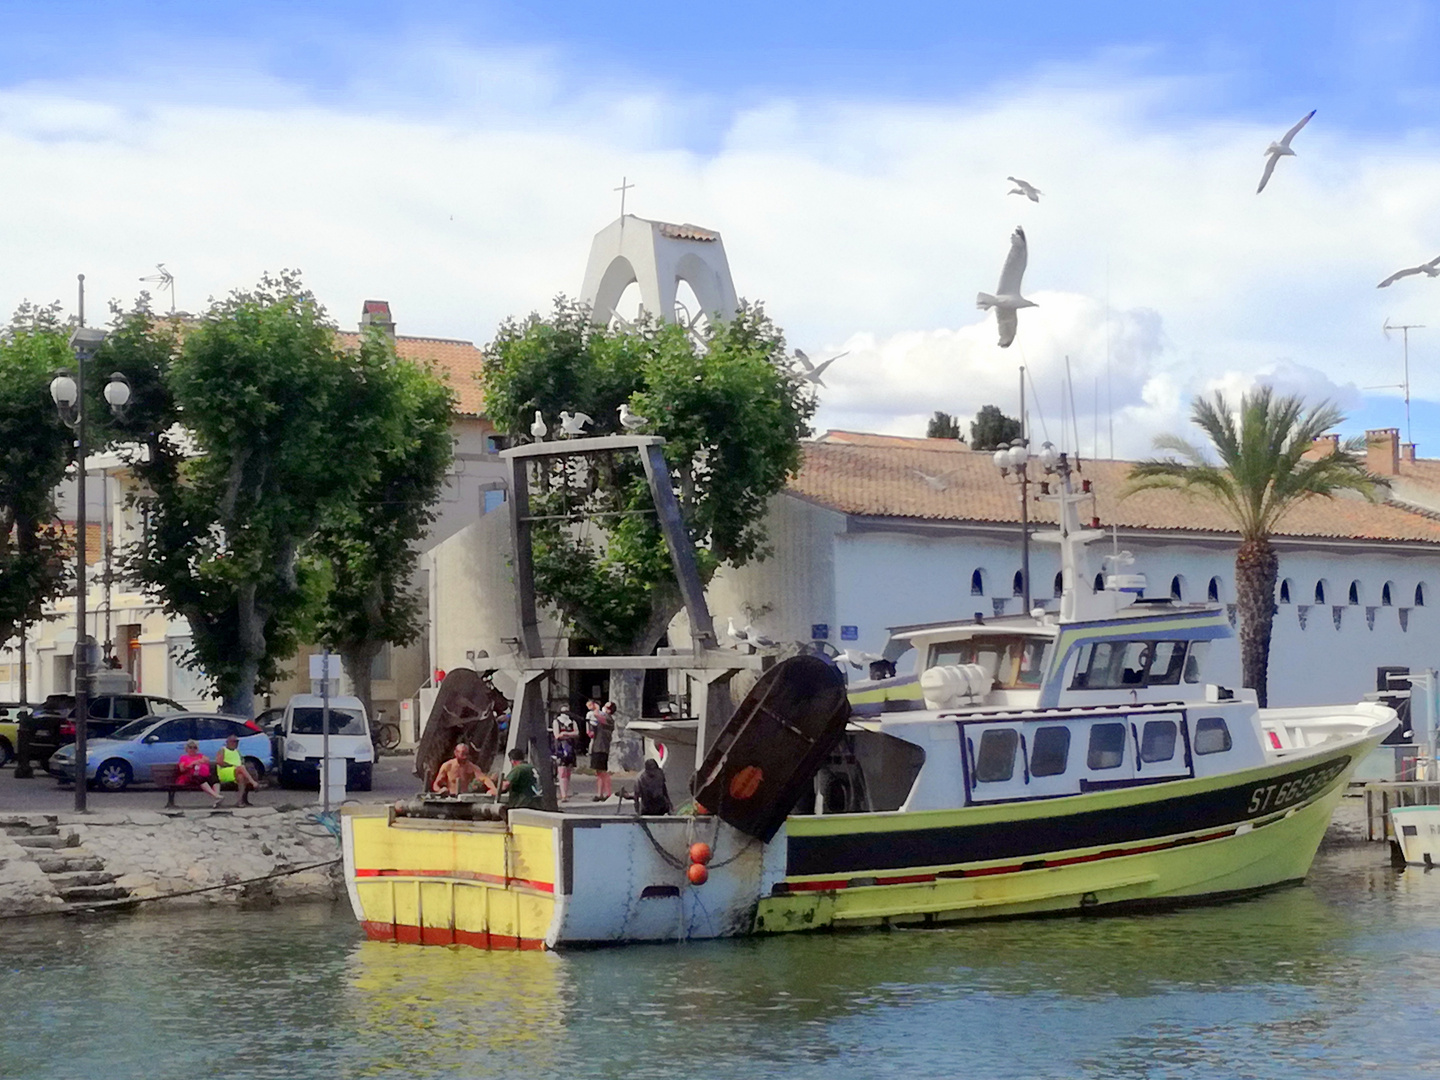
(460, 774)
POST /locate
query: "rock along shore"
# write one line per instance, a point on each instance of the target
(66, 862)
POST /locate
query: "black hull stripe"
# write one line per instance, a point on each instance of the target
(951, 845)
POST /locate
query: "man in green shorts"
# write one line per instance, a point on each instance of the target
(521, 785)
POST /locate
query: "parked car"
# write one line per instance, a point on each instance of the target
(10, 729)
(125, 756)
(302, 736)
(52, 725)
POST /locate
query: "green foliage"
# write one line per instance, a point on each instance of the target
(943, 426)
(369, 546)
(992, 429)
(732, 416)
(257, 430)
(1263, 473)
(34, 450)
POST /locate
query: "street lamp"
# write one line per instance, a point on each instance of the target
(68, 393)
(1012, 459)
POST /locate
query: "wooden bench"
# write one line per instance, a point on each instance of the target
(165, 778)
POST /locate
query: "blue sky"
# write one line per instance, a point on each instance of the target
(455, 158)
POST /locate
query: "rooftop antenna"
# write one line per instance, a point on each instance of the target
(165, 280)
(1405, 339)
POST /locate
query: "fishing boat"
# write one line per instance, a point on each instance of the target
(1074, 760)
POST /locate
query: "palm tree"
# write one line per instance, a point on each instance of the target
(1263, 474)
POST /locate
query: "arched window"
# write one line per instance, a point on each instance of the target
(1059, 584)
(1099, 582)
(1354, 592)
(1285, 591)
(1212, 591)
(1018, 588)
(1387, 594)
(977, 583)
(1320, 591)
(1177, 588)
(1420, 592)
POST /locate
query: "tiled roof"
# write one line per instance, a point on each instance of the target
(458, 362)
(943, 480)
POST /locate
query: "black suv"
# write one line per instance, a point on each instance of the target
(52, 724)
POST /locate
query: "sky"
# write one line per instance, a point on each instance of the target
(457, 158)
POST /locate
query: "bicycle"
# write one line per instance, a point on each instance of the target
(385, 735)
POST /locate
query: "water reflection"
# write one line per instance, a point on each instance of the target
(1333, 979)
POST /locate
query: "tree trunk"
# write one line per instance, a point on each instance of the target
(627, 688)
(1256, 568)
(358, 660)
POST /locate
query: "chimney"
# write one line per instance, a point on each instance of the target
(377, 313)
(1323, 446)
(1407, 452)
(1382, 451)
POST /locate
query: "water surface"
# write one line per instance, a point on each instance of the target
(1338, 978)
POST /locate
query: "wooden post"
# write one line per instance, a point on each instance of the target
(682, 550)
(529, 623)
(530, 731)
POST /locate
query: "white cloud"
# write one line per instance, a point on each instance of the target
(862, 226)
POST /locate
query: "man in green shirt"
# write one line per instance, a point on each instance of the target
(521, 785)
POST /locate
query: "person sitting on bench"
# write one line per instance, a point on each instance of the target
(194, 772)
(230, 769)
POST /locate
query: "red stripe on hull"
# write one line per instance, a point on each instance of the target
(443, 935)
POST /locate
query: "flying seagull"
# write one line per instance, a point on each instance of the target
(811, 372)
(574, 423)
(1024, 187)
(1276, 150)
(857, 659)
(1007, 299)
(538, 428)
(934, 483)
(1431, 268)
(628, 420)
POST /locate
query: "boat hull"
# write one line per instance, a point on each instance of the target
(558, 880)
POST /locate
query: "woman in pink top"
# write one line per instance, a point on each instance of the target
(195, 771)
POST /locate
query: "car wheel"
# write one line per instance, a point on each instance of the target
(359, 778)
(255, 769)
(113, 775)
(7, 752)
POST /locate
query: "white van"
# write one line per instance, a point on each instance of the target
(301, 737)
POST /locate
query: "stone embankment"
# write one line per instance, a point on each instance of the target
(259, 855)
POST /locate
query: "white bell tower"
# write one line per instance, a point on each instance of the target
(657, 256)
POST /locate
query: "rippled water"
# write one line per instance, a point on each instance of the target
(1335, 979)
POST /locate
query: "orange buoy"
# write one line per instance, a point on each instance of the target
(697, 874)
(700, 853)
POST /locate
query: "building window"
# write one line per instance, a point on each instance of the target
(1420, 594)
(1177, 588)
(977, 583)
(1059, 585)
(1212, 593)
(1018, 588)
(1099, 582)
(1320, 591)
(1386, 594)
(1355, 592)
(1285, 591)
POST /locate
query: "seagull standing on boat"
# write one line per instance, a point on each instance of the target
(734, 634)
(1276, 150)
(754, 636)
(1007, 299)
(573, 424)
(1022, 187)
(628, 420)
(539, 429)
(1432, 269)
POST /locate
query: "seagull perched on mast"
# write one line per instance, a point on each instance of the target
(574, 423)
(1432, 268)
(539, 428)
(1024, 187)
(810, 372)
(1276, 150)
(1007, 299)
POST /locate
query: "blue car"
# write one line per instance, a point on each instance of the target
(125, 756)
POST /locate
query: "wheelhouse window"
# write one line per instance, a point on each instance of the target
(1107, 746)
(1111, 665)
(1157, 741)
(1051, 752)
(1014, 662)
(1211, 735)
(996, 760)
